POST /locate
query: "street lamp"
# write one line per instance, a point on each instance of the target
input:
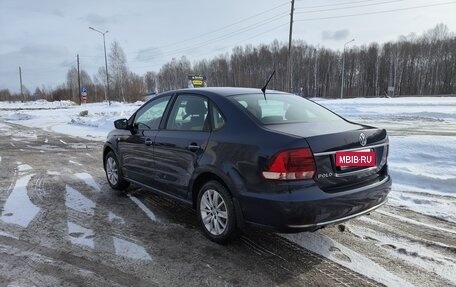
(343, 69)
(106, 63)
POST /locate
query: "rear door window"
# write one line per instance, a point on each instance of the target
(189, 113)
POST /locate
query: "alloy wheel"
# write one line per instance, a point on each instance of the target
(112, 171)
(213, 212)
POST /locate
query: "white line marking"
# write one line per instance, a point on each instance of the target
(74, 162)
(76, 201)
(18, 208)
(144, 208)
(88, 179)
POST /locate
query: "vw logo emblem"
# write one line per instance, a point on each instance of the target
(362, 139)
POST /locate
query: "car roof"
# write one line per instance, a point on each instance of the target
(226, 91)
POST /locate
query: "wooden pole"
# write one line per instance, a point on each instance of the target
(289, 70)
(20, 80)
(79, 82)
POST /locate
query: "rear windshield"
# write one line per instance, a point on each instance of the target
(283, 108)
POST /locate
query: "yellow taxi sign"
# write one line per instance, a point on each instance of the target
(196, 81)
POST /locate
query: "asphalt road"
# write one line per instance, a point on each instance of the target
(61, 225)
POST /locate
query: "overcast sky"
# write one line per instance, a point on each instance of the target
(43, 37)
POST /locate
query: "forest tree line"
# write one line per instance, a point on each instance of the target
(412, 65)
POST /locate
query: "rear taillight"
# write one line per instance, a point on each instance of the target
(294, 164)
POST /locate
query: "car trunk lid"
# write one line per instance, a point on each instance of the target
(327, 139)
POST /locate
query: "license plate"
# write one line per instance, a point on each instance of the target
(360, 158)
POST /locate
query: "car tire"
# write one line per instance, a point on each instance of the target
(216, 213)
(114, 172)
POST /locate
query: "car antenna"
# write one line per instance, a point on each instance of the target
(263, 89)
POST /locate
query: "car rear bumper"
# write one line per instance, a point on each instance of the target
(309, 208)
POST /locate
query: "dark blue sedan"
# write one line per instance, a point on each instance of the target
(241, 157)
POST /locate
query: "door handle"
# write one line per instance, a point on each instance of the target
(148, 142)
(193, 147)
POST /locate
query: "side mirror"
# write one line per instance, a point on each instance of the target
(121, 124)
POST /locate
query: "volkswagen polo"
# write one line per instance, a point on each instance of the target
(242, 157)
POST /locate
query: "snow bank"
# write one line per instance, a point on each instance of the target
(39, 104)
(64, 117)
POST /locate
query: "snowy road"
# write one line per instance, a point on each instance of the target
(61, 225)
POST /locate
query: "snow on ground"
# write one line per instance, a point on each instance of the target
(88, 179)
(411, 251)
(18, 208)
(76, 201)
(327, 247)
(422, 163)
(63, 117)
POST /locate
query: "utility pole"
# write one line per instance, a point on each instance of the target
(343, 69)
(20, 80)
(79, 82)
(289, 72)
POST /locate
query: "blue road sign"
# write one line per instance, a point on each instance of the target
(84, 92)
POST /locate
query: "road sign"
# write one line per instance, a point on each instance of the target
(84, 92)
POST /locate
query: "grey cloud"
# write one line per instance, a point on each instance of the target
(98, 20)
(58, 13)
(67, 64)
(149, 54)
(335, 35)
(40, 66)
(44, 50)
(95, 19)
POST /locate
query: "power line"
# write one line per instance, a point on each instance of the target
(235, 33)
(221, 37)
(215, 38)
(227, 46)
(257, 35)
(376, 12)
(336, 4)
(349, 7)
(224, 27)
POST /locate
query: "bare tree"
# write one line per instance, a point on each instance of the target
(118, 72)
(151, 81)
(136, 87)
(174, 74)
(5, 95)
(72, 85)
